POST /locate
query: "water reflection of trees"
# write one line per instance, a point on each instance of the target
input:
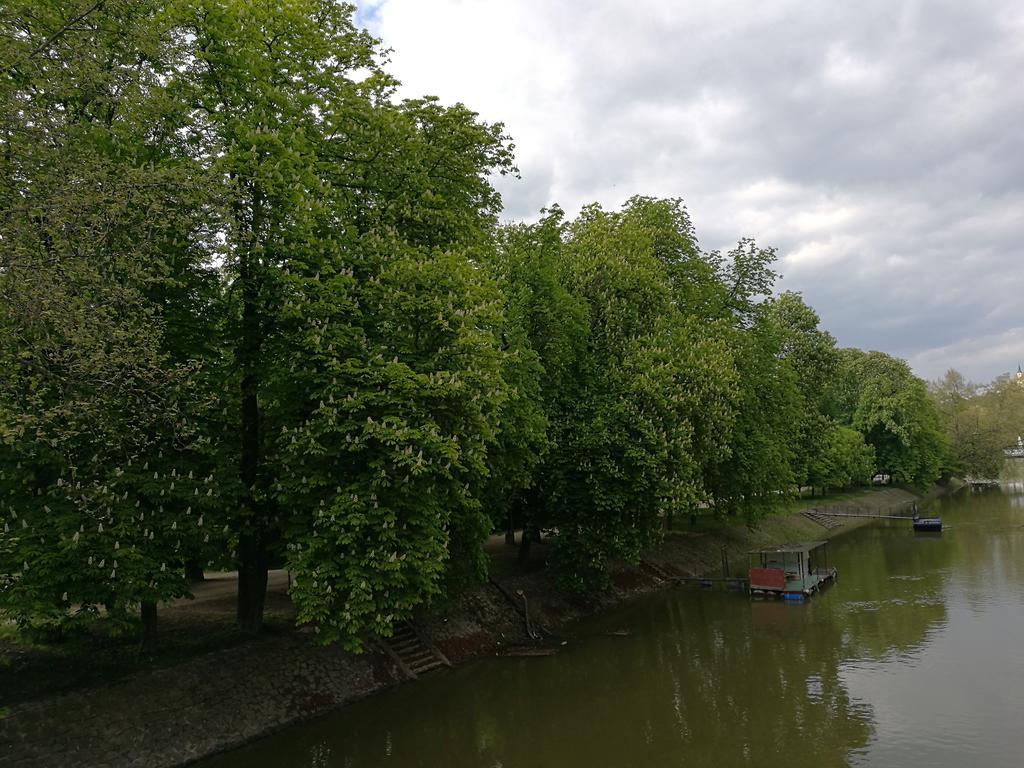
(987, 543)
(761, 682)
(891, 584)
(704, 679)
(897, 585)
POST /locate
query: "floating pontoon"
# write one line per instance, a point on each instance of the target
(791, 571)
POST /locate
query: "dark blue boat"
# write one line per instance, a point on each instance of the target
(927, 523)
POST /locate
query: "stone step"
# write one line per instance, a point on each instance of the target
(420, 659)
(420, 654)
(412, 654)
(427, 666)
(660, 573)
(405, 644)
(822, 519)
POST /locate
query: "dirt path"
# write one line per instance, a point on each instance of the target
(218, 592)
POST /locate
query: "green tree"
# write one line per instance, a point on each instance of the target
(979, 421)
(646, 390)
(1003, 404)
(811, 353)
(756, 471)
(879, 396)
(369, 377)
(844, 460)
(384, 473)
(100, 401)
(757, 474)
(544, 329)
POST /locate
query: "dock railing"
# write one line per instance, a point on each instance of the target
(902, 512)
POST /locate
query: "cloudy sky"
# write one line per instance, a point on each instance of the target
(879, 145)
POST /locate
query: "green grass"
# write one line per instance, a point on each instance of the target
(799, 504)
(9, 631)
(708, 522)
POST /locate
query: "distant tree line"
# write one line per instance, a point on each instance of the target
(979, 421)
(256, 311)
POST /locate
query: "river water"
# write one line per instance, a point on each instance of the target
(914, 658)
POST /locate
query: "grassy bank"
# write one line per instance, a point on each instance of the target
(699, 552)
(486, 619)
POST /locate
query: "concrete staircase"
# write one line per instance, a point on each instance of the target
(823, 519)
(411, 652)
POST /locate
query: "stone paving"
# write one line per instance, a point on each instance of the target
(168, 717)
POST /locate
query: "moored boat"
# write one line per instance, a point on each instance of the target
(926, 524)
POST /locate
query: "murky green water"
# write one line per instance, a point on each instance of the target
(915, 658)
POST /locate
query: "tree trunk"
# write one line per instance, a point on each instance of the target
(252, 549)
(253, 564)
(253, 560)
(525, 540)
(194, 571)
(510, 532)
(148, 613)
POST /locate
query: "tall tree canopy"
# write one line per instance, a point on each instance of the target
(255, 308)
(369, 375)
(104, 281)
(811, 354)
(648, 400)
(880, 397)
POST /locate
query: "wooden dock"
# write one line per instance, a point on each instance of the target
(799, 588)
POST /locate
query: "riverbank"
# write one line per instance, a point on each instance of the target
(177, 714)
(489, 619)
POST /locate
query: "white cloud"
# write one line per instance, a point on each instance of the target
(849, 70)
(997, 352)
(877, 145)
